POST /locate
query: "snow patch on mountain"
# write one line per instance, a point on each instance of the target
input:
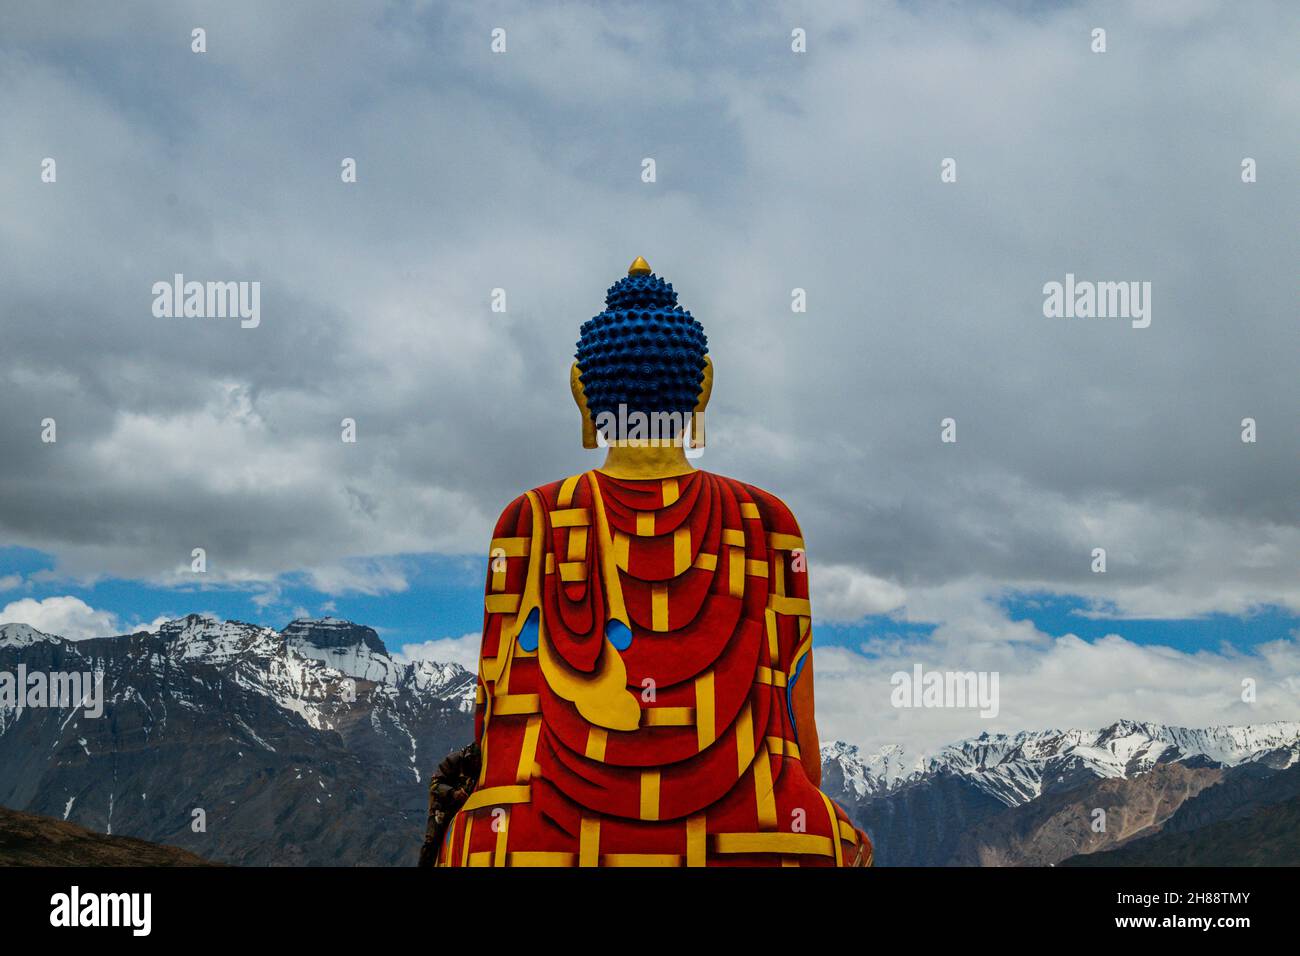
(21, 635)
(348, 648)
(449, 681)
(866, 774)
(200, 637)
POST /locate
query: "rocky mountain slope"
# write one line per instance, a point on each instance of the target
(1099, 815)
(1269, 836)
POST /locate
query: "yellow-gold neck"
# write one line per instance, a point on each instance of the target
(645, 462)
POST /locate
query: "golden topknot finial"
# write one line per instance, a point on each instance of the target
(639, 267)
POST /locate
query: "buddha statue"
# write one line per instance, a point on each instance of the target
(645, 683)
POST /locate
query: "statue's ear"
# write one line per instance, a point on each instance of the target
(706, 386)
(580, 399)
(697, 417)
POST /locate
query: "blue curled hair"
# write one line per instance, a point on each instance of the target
(644, 351)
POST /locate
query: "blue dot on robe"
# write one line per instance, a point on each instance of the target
(528, 635)
(619, 634)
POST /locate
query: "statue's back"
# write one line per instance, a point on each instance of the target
(643, 641)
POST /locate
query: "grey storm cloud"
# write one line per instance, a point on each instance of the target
(775, 171)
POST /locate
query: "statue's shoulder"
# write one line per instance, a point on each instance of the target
(775, 514)
(513, 516)
(564, 493)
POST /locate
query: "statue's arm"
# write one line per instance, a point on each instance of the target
(802, 703)
(792, 582)
(459, 773)
(507, 572)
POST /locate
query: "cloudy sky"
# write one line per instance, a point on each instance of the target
(775, 170)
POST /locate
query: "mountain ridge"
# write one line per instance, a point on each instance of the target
(1016, 768)
(313, 744)
(1030, 798)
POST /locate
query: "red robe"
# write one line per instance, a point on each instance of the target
(639, 646)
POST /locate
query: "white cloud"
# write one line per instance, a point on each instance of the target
(359, 577)
(844, 593)
(11, 582)
(65, 616)
(268, 597)
(152, 626)
(1046, 682)
(460, 650)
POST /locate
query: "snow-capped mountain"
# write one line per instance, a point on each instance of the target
(346, 647)
(304, 667)
(1030, 798)
(302, 746)
(21, 635)
(1020, 767)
